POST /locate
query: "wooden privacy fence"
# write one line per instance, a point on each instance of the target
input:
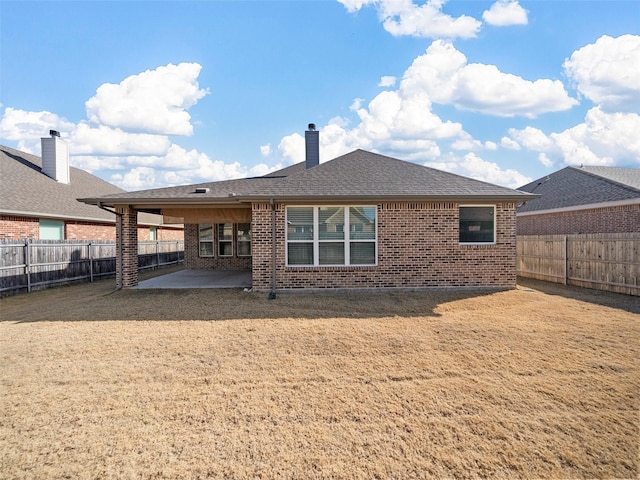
(604, 261)
(33, 264)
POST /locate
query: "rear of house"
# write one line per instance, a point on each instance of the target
(359, 221)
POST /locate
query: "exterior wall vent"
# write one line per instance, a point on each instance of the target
(202, 190)
(55, 157)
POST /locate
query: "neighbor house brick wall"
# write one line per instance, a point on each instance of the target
(89, 231)
(14, 227)
(418, 246)
(620, 219)
(193, 260)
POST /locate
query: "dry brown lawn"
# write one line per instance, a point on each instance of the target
(538, 382)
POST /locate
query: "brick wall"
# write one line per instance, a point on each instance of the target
(89, 231)
(127, 249)
(621, 219)
(193, 260)
(15, 227)
(417, 247)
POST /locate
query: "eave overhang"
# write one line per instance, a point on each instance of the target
(245, 201)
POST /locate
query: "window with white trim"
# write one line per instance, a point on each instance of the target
(225, 239)
(205, 238)
(244, 240)
(331, 235)
(477, 224)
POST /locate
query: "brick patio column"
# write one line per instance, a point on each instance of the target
(126, 247)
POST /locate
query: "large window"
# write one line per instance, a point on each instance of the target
(205, 235)
(477, 224)
(331, 235)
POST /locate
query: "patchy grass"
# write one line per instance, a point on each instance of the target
(542, 381)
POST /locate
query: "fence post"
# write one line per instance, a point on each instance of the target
(157, 255)
(27, 261)
(90, 261)
(566, 259)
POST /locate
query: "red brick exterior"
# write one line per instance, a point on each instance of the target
(620, 219)
(193, 260)
(127, 247)
(418, 247)
(15, 227)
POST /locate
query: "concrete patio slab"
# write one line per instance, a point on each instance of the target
(200, 279)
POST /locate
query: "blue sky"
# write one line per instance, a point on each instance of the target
(158, 93)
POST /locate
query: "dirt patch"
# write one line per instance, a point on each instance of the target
(542, 381)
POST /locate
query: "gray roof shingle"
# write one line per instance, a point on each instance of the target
(356, 175)
(25, 190)
(574, 186)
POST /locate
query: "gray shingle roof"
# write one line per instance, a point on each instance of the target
(574, 186)
(25, 190)
(356, 175)
(366, 174)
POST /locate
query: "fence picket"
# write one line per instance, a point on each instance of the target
(607, 261)
(25, 264)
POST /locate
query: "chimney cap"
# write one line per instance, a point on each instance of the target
(312, 126)
(54, 133)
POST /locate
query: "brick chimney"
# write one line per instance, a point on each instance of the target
(312, 146)
(55, 157)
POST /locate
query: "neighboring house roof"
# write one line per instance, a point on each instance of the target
(356, 176)
(26, 191)
(574, 187)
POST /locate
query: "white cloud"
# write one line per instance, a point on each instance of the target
(444, 74)
(403, 17)
(111, 142)
(136, 179)
(607, 72)
(154, 101)
(27, 128)
(504, 13)
(531, 138)
(602, 139)
(387, 81)
(544, 160)
(102, 140)
(473, 166)
(265, 150)
(353, 6)
(509, 144)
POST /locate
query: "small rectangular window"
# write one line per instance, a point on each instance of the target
(153, 233)
(51, 230)
(225, 239)
(244, 239)
(205, 236)
(477, 224)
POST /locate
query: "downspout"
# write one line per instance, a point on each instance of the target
(272, 294)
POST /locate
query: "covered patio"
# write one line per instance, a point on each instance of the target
(199, 279)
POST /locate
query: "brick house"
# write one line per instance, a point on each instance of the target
(582, 200)
(38, 200)
(359, 221)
